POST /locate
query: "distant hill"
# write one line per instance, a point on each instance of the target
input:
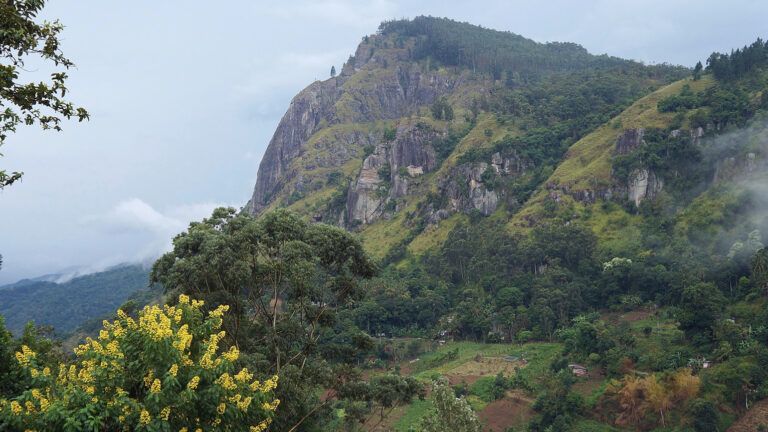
(65, 306)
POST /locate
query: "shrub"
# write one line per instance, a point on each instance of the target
(159, 372)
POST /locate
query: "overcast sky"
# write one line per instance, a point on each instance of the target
(184, 96)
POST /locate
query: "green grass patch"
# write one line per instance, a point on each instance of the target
(434, 237)
(587, 164)
(413, 414)
(585, 425)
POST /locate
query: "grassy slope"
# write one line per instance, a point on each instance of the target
(587, 165)
(380, 236)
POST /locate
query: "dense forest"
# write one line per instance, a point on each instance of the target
(594, 261)
(64, 306)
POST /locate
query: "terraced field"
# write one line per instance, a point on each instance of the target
(475, 365)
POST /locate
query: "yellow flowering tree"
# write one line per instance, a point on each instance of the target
(163, 371)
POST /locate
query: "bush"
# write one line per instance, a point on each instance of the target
(704, 414)
(159, 372)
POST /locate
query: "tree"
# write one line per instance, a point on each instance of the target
(704, 416)
(162, 371)
(700, 307)
(641, 397)
(285, 281)
(25, 38)
(442, 110)
(556, 404)
(499, 387)
(760, 269)
(448, 412)
(697, 71)
(333, 71)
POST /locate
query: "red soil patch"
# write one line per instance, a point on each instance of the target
(459, 379)
(756, 416)
(514, 410)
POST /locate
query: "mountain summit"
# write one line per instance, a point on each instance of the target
(432, 120)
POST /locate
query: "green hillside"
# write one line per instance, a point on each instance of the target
(463, 230)
(538, 192)
(66, 306)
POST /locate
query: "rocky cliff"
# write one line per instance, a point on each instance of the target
(421, 127)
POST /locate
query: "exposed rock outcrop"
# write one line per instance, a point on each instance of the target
(376, 84)
(365, 202)
(409, 155)
(643, 184)
(306, 111)
(465, 189)
(735, 168)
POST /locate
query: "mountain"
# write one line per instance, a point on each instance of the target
(514, 191)
(67, 305)
(433, 120)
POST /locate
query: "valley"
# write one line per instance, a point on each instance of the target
(463, 230)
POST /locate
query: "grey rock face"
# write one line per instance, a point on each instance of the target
(376, 84)
(736, 167)
(466, 191)
(629, 140)
(365, 202)
(411, 150)
(305, 113)
(642, 184)
(512, 164)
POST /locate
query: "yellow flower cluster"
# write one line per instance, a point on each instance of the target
(219, 311)
(270, 406)
(144, 417)
(155, 323)
(232, 355)
(261, 427)
(208, 360)
(101, 367)
(25, 356)
(41, 400)
(266, 387)
(192, 384)
(243, 375)
(155, 386)
(243, 404)
(226, 382)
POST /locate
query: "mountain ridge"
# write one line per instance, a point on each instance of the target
(362, 149)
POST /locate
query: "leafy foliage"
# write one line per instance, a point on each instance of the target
(42, 103)
(739, 62)
(287, 281)
(161, 371)
(449, 412)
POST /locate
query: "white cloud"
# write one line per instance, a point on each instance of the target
(153, 228)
